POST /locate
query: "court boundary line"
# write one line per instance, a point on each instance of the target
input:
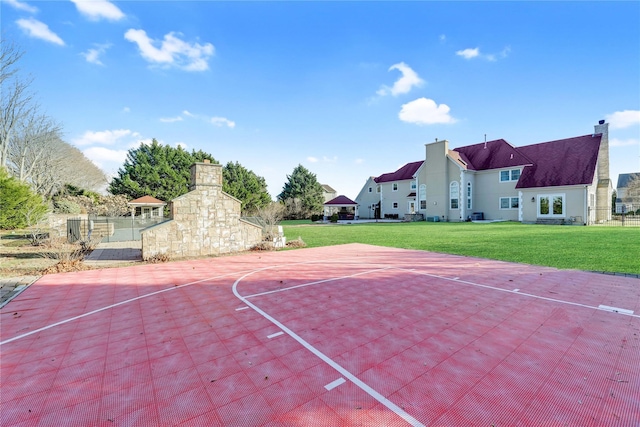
(618, 310)
(351, 377)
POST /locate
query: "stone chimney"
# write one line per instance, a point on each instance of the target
(205, 175)
(604, 188)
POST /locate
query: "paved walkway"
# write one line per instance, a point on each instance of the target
(114, 253)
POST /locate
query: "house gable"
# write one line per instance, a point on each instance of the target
(563, 162)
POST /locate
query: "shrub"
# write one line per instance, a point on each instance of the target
(20, 207)
(263, 246)
(66, 206)
(298, 243)
(334, 218)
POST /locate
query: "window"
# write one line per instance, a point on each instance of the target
(394, 187)
(551, 205)
(509, 202)
(469, 195)
(413, 185)
(378, 189)
(454, 194)
(370, 190)
(395, 205)
(510, 175)
(423, 204)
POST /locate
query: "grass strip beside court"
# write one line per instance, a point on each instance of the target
(608, 249)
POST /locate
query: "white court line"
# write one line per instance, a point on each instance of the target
(577, 304)
(317, 282)
(80, 316)
(334, 384)
(365, 387)
(242, 308)
(277, 334)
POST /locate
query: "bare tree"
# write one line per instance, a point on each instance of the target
(16, 101)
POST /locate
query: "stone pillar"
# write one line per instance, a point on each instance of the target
(205, 175)
(604, 187)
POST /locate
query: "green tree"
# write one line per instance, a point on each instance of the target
(20, 207)
(302, 190)
(245, 186)
(156, 170)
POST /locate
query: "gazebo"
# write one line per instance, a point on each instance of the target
(147, 207)
(346, 208)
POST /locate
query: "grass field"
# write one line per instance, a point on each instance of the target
(610, 249)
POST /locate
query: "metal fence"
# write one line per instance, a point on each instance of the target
(606, 218)
(111, 229)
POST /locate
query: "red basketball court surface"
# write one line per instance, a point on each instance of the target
(336, 336)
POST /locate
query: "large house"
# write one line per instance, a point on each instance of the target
(628, 192)
(564, 181)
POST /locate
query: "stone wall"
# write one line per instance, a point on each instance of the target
(204, 222)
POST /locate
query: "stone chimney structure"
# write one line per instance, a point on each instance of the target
(604, 188)
(204, 222)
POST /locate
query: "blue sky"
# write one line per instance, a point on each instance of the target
(347, 89)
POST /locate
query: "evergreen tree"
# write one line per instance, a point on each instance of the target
(156, 170)
(245, 186)
(20, 207)
(302, 190)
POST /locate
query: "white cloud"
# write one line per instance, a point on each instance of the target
(221, 121)
(93, 54)
(475, 53)
(106, 137)
(358, 161)
(425, 111)
(102, 156)
(126, 110)
(39, 30)
(623, 119)
(404, 84)
(182, 145)
(173, 52)
(469, 53)
(311, 159)
(171, 119)
(442, 38)
(21, 6)
(98, 9)
(188, 114)
(329, 159)
(615, 142)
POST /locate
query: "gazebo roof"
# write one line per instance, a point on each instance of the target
(146, 201)
(341, 201)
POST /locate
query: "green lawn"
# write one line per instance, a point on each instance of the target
(611, 249)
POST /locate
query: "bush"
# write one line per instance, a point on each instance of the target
(66, 206)
(20, 207)
(334, 218)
